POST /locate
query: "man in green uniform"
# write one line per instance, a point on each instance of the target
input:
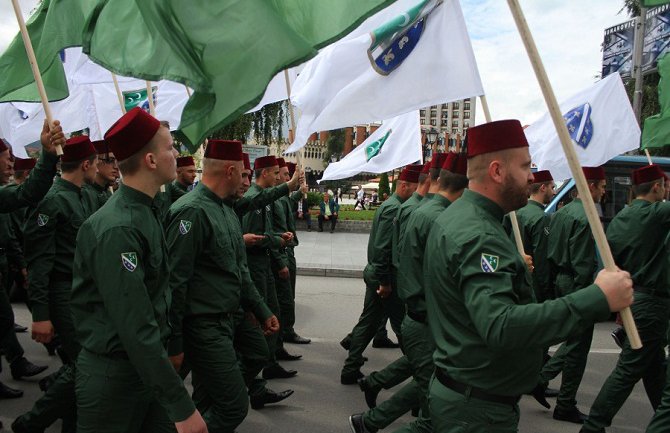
(283, 222)
(249, 341)
(51, 229)
(380, 284)
(100, 190)
(489, 333)
(27, 194)
(435, 167)
(120, 296)
(186, 173)
(418, 343)
(209, 281)
(264, 256)
(291, 204)
(572, 258)
(634, 238)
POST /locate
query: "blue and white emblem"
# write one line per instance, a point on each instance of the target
(578, 121)
(129, 261)
(394, 41)
(490, 262)
(184, 226)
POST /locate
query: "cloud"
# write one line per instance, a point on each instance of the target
(568, 35)
(8, 25)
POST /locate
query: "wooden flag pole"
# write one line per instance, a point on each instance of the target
(301, 154)
(646, 152)
(35, 68)
(118, 93)
(512, 215)
(573, 161)
(188, 91)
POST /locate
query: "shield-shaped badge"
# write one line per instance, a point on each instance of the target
(42, 219)
(394, 41)
(373, 149)
(578, 121)
(129, 261)
(184, 226)
(489, 262)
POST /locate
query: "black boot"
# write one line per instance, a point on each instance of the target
(277, 372)
(7, 392)
(258, 402)
(23, 368)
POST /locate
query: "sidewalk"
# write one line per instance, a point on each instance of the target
(331, 254)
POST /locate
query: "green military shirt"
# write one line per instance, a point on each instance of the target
(51, 230)
(260, 222)
(10, 249)
(259, 200)
(488, 331)
(410, 280)
(175, 190)
(380, 243)
(30, 192)
(120, 294)
(635, 236)
(97, 195)
(282, 216)
(404, 211)
(534, 228)
(426, 198)
(571, 250)
(208, 268)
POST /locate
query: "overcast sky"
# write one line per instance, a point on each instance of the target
(568, 34)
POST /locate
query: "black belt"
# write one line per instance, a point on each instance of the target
(416, 316)
(473, 392)
(258, 251)
(653, 292)
(57, 276)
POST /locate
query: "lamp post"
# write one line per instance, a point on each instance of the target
(431, 138)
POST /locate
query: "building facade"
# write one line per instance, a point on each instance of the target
(451, 121)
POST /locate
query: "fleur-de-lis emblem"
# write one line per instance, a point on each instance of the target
(388, 57)
(402, 42)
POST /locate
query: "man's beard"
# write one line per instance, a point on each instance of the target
(514, 196)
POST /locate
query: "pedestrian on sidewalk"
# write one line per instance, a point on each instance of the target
(328, 210)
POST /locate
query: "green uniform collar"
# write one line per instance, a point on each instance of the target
(429, 195)
(417, 196)
(638, 202)
(136, 196)
(66, 184)
(487, 204)
(442, 200)
(98, 187)
(536, 203)
(181, 186)
(209, 194)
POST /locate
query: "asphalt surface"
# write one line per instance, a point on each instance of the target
(327, 309)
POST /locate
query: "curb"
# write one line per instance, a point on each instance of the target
(329, 272)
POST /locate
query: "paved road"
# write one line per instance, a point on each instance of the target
(327, 309)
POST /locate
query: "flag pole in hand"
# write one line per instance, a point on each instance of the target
(573, 161)
(35, 68)
(300, 154)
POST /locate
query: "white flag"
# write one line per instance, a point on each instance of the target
(601, 123)
(276, 89)
(421, 57)
(397, 142)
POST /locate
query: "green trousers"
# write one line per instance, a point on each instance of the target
(647, 364)
(111, 398)
(660, 423)
(6, 313)
(252, 353)
(452, 412)
(263, 278)
(392, 375)
(289, 316)
(419, 348)
(286, 300)
(554, 366)
(368, 323)
(219, 391)
(59, 400)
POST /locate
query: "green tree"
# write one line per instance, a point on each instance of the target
(384, 185)
(266, 124)
(334, 145)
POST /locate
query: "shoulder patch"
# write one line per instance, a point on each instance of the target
(42, 219)
(184, 226)
(546, 231)
(490, 262)
(129, 261)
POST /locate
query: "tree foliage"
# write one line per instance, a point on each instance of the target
(265, 124)
(384, 185)
(334, 145)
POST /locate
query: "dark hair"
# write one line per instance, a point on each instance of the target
(258, 173)
(645, 188)
(132, 164)
(70, 166)
(535, 187)
(423, 177)
(434, 173)
(452, 182)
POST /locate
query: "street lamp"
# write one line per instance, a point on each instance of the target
(431, 135)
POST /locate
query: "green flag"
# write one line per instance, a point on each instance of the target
(656, 131)
(652, 3)
(226, 50)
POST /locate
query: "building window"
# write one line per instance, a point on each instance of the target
(454, 131)
(444, 106)
(445, 122)
(466, 125)
(455, 113)
(466, 106)
(466, 115)
(433, 122)
(422, 113)
(423, 121)
(433, 113)
(455, 105)
(454, 123)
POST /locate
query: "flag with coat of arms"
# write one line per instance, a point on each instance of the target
(600, 121)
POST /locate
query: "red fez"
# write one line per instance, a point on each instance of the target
(426, 168)
(77, 149)
(3, 145)
(131, 133)
(265, 162)
(291, 168)
(228, 150)
(449, 161)
(281, 162)
(21, 164)
(646, 174)
(185, 161)
(594, 173)
(542, 176)
(247, 163)
(101, 147)
(438, 160)
(415, 167)
(461, 165)
(495, 136)
(409, 175)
